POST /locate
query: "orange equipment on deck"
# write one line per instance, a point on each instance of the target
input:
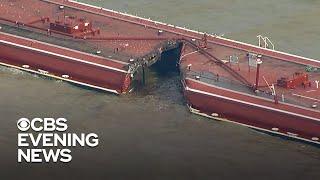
(298, 79)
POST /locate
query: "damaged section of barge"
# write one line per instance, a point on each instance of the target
(87, 48)
(223, 79)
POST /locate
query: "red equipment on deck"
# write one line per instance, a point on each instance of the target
(298, 79)
(72, 25)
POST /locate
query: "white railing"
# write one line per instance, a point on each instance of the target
(265, 42)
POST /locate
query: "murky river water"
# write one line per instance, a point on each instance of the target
(150, 134)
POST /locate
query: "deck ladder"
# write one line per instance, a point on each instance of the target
(265, 42)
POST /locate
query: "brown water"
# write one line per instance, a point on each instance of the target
(150, 134)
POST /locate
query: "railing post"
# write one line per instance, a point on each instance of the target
(259, 62)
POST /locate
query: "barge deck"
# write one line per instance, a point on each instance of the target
(223, 79)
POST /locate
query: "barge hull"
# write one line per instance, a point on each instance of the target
(211, 102)
(64, 67)
(209, 56)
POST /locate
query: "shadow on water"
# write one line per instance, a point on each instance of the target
(162, 79)
(286, 138)
(169, 61)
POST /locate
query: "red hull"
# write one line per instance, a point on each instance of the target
(253, 112)
(136, 42)
(80, 71)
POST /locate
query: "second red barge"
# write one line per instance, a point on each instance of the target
(222, 79)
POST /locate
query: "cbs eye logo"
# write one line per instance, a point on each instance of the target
(23, 124)
(42, 124)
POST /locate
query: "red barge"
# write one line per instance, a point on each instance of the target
(222, 79)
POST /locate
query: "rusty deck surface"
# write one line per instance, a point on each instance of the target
(206, 70)
(123, 37)
(117, 40)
